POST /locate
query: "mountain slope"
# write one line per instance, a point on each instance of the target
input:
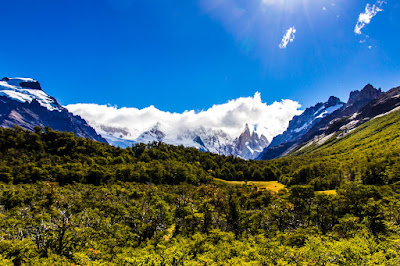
(23, 103)
(379, 107)
(300, 124)
(321, 127)
(369, 154)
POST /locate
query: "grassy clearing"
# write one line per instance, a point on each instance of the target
(274, 186)
(327, 192)
(261, 185)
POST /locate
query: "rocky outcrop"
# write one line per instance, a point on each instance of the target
(367, 94)
(382, 104)
(31, 85)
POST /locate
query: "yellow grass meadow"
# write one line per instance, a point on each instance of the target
(274, 186)
(327, 192)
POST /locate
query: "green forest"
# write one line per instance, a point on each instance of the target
(65, 200)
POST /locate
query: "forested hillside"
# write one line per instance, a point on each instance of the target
(61, 157)
(71, 201)
(369, 155)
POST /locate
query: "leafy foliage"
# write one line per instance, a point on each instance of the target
(48, 155)
(144, 224)
(71, 201)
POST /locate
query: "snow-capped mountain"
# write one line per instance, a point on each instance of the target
(321, 130)
(248, 145)
(300, 124)
(26, 90)
(25, 104)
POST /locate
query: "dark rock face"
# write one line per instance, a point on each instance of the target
(35, 85)
(382, 104)
(328, 124)
(198, 140)
(333, 101)
(367, 94)
(31, 85)
(28, 115)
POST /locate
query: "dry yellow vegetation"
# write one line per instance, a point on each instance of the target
(274, 186)
(327, 192)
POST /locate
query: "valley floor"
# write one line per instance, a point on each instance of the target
(217, 224)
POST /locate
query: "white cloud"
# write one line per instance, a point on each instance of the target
(288, 37)
(230, 117)
(365, 18)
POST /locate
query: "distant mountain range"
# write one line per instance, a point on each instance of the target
(25, 104)
(248, 145)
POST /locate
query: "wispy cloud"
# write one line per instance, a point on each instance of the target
(230, 117)
(365, 18)
(288, 37)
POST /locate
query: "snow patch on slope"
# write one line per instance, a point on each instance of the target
(12, 89)
(329, 110)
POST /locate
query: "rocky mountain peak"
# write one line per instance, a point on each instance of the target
(367, 94)
(27, 90)
(246, 132)
(250, 145)
(28, 107)
(156, 131)
(23, 82)
(154, 134)
(333, 101)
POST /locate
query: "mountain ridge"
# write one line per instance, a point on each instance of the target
(357, 100)
(23, 103)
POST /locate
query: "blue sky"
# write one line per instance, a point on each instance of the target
(184, 55)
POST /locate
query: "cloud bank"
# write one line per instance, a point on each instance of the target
(231, 117)
(365, 18)
(288, 37)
